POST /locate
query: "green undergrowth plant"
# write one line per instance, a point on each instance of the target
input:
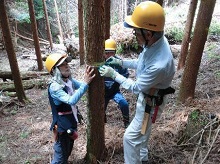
(174, 34)
(214, 28)
(123, 48)
(211, 50)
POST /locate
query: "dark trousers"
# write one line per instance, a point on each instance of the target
(122, 104)
(62, 149)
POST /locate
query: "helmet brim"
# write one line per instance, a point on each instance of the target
(110, 51)
(67, 59)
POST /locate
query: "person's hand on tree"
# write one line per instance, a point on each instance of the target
(89, 74)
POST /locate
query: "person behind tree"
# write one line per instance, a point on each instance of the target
(154, 71)
(64, 92)
(112, 91)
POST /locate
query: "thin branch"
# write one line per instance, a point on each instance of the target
(216, 135)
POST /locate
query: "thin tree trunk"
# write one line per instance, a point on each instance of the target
(49, 36)
(35, 35)
(11, 53)
(58, 21)
(187, 32)
(129, 3)
(67, 17)
(94, 46)
(81, 32)
(125, 8)
(188, 83)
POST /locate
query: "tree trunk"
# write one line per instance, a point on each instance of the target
(49, 36)
(11, 53)
(68, 28)
(187, 32)
(35, 35)
(107, 19)
(58, 21)
(129, 6)
(81, 32)
(94, 46)
(188, 83)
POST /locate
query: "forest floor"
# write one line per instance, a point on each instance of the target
(25, 137)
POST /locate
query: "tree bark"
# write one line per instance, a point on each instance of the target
(81, 32)
(11, 53)
(94, 46)
(107, 19)
(188, 83)
(58, 21)
(49, 36)
(187, 33)
(35, 35)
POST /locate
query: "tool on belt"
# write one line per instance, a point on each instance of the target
(151, 102)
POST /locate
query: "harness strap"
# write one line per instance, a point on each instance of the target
(149, 97)
(64, 113)
(150, 100)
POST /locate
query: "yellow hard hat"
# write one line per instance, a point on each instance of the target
(147, 15)
(55, 59)
(110, 45)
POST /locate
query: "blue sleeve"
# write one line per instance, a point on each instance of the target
(76, 84)
(59, 95)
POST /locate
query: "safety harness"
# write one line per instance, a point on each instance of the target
(153, 102)
(156, 101)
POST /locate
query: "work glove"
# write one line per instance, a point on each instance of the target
(113, 61)
(107, 71)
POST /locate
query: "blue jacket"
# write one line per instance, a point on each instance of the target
(111, 86)
(61, 101)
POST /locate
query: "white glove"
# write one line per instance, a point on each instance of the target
(107, 71)
(113, 61)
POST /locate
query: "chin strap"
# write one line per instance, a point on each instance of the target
(65, 78)
(146, 41)
(142, 33)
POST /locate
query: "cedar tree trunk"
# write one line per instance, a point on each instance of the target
(11, 53)
(188, 83)
(94, 49)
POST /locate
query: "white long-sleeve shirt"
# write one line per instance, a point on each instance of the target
(154, 68)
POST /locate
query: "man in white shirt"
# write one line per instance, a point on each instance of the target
(154, 71)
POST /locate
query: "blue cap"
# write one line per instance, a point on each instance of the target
(127, 25)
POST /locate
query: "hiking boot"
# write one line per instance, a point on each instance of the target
(126, 124)
(126, 121)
